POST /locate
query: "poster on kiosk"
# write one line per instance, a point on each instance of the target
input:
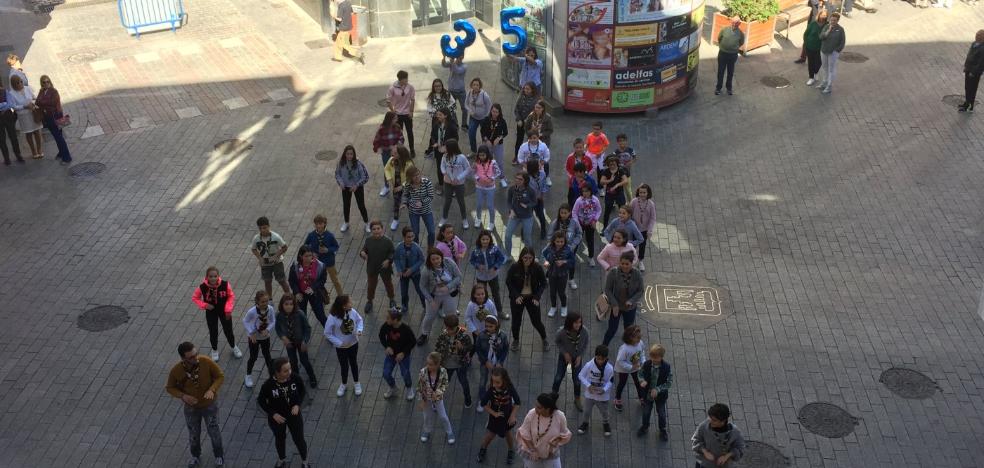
(630, 55)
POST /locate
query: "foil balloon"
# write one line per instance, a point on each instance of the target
(460, 44)
(504, 16)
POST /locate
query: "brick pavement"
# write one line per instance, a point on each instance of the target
(846, 229)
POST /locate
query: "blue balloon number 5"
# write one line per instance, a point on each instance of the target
(459, 49)
(504, 16)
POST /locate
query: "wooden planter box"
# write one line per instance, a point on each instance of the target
(757, 33)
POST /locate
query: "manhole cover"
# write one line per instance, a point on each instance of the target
(908, 383)
(777, 82)
(231, 145)
(327, 155)
(87, 169)
(318, 44)
(83, 57)
(103, 318)
(382, 103)
(276, 116)
(852, 57)
(827, 420)
(955, 99)
(762, 455)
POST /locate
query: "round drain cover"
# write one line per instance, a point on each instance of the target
(852, 57)
(955, 99)
(231, 145)
(827, 420)
(762, 455)
(103, 318)
(327, 155)
(83, 57)
(908, 383)
(777, 82)
(87, 169)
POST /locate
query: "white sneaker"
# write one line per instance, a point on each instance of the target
(249, 381)
(389, 393)
(810, 82)
(825, 90)
(358, 389)
(591, 262)
(503, 183)
(215, 355)
(642, 266)
(480, 409)
(820, 85)
(464, 224)
(410, 394)
(549, 183)
(395, 224)
(384, 191)
(478, 222)
(450, 438)
(572, 284)
(552, 312)
(341, 391)
(442, 222)
(424, 437)
(236, 352)
(368, 229)
(563, 311)
(344, 227)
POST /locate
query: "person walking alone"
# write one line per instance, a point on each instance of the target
(730, 41)
(401, 98)
(196, 381)
(973, 66)
(343, 40)
(832, 39)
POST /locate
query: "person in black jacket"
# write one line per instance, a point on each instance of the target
(526, 281)
(443, 130)
(973, 66)
(295, 332)
(398, 340)
(281, 397)
(494, 131)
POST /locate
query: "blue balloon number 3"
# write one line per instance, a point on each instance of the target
(504, 16)
(460, 44)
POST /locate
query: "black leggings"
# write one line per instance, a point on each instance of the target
(623, 379)
(813, 62)
(612, 202)
(348, 357)
(360, 199)
(517, 318)
(642, 246)
(254, 349)
(463, 380)
(293, 351)
(212, 318)
(520, 139)
(558, 288)
(454, 192)
(540, 215)
(406, 123)
(589, 239)
(296, 426)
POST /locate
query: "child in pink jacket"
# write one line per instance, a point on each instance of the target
(216, 298)
(450, 245)
(644, 214)
(608, 258)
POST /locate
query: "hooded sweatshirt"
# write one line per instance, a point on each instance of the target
(221, 296)
(718, 442)
(455, 168)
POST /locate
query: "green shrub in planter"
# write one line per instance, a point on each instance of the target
(751, 10)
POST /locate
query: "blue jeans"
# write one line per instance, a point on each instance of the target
(626, 316)
(405, 291)
(459, 97)
(316, 303)
(56, 134)
(647, 411)
(562, 371)
(193, 419)
(428, 219)
(527, 233)
(485, 198)
(473, 126)
(389, 363)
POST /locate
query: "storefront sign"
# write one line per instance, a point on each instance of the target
(629, 98)
(642, 34)
(587, 78)
(589, 100)
(636, 56)
(635, 78)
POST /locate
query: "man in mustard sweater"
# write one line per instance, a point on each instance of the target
(730, 41)
(196, 381)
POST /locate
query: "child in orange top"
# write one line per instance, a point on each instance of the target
(597, 143)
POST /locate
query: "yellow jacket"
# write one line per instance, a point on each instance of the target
(389, 171)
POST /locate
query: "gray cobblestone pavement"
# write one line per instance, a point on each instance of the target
(846, 230)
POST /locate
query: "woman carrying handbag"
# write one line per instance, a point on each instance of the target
(53, 118)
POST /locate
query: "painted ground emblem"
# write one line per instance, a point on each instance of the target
(689, 300)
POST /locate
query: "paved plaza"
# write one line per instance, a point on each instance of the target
(841, 234)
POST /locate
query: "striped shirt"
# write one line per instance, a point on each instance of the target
(419, 199)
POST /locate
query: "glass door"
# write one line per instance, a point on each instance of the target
(427, 12)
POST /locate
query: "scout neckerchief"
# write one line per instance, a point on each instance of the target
(348, 325)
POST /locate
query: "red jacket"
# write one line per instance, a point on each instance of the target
(570, 165)
(219, 296)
